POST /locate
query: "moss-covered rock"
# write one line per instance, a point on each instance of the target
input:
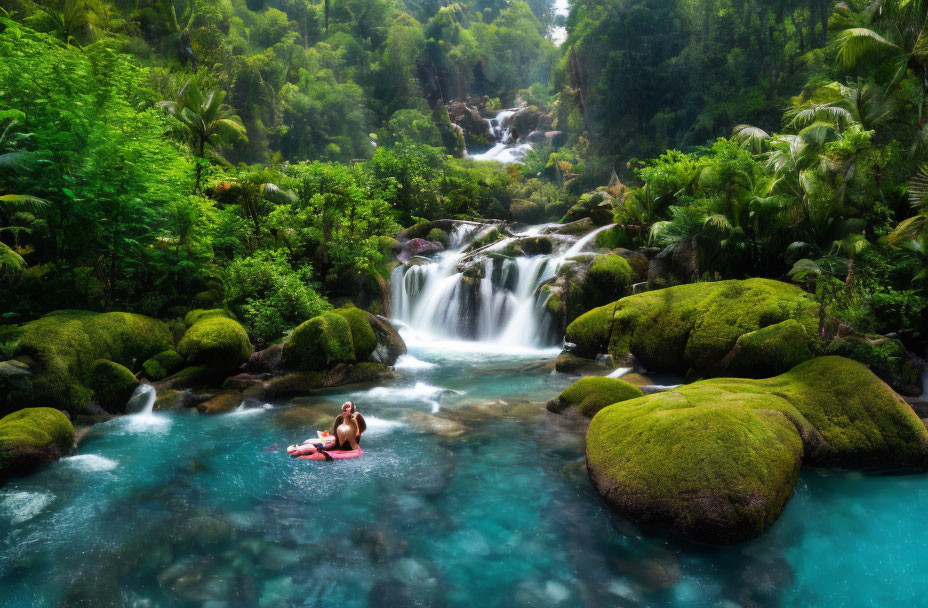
(589, 395)
(886, 357)
(200, 314)
(718, 459)
(215, 340)
(486, 237)
(31, 438)
(606, 280)
(362, 335)
(65, 345)
(567, 363)
(691, 327)
(768, 351)
(163, 364)
(438, 235)
(226, 401)
(526, 211)
(320, 343)
(112, 385)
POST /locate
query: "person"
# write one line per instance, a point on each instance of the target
(347, 430)
(348, 427)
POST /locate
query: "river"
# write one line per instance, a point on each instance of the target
(469, 494)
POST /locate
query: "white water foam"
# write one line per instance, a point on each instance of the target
(90, 463)
(411, 363)
(619, 372)
(249, 411)
(377, 425)
(20, 507)
(420, 392)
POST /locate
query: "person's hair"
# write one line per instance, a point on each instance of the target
(353, 408)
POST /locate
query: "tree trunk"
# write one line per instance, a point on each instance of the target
(201, 154)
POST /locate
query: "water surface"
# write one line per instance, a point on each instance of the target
(469, 494)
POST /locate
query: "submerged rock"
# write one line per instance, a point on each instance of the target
(587, 396)
(717, 460)
(225, 401)
(443, 427)
(31, 438)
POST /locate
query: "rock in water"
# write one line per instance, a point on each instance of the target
(215, 340)
(589, 395)
(31, 438)
(717, 460)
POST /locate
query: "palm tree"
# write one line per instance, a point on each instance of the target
(838, 106)
(69, 16)
(207, 123)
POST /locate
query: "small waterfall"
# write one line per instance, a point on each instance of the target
(142, 400)
(487, 296)
(578, 247)
(504, 151)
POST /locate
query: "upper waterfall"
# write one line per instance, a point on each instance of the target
(474, 292)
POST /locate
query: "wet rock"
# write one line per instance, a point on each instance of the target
(555, 138)
(225, 401)
(205, 531)
(526, 120)
(390, 345)
(381, 546)
(651, 574)
(31, 438)
(419, 247)
(638, 262)
(267, 360)
(443, 427)
(276, 558)
(577, 228)
(470, 120)
(243, 382)
(568, 363)
(307, 417)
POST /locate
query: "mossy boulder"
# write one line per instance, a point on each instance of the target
(690, 327)
(526, 211)
(587, 396)
(320, 343)
(487, 237)
(226, 401)
(606, 280)
(200, 314)
(112, 385)
(768, 351)
(163, 364)
(33, 437)
(65, 345)
(718, 459)
(215, 340)
(886, 357)
(362, 335)
(438, 235)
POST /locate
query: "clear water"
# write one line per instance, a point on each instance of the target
(178, 509)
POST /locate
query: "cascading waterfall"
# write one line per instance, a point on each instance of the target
(483, 296)
(142, 400)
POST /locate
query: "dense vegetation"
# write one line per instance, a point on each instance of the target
(258, 155)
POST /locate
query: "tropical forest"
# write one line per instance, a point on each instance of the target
(604, 303)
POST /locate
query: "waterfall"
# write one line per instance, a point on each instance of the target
(483, 296)
(142, 400)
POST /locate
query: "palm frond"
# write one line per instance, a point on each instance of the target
(856, 43)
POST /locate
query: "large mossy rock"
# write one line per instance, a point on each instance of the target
(31, 438)
(163, 364)
(362, 335)
(693, 327)
(717, 460)
(112, 385)
(588, 395)
(606, 280)
(64, 346)
(320, 343)
(217, 341)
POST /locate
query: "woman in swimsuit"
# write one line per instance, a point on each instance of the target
(347, 430)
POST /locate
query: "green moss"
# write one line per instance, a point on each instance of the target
(606, 280)
(718, 459)
(886, 357)
(591, 394)
(527, 212)
(362, 335)
(770, 350)
(32, 437)
(320, 343)
(163, 364)
(485, 239)
(199, 314)
(437, 234)
(590, 332)
(215, 340)
(66, 344)
(693, 326)
(112, 385)
(612, 238)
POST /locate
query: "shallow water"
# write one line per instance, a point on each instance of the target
(468, 494)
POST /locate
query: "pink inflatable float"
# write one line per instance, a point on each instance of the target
(308, 450)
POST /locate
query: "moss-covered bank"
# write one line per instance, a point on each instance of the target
(31, 438)
(589, 395)
(717, 460)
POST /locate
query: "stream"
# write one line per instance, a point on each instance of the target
(469, 494)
